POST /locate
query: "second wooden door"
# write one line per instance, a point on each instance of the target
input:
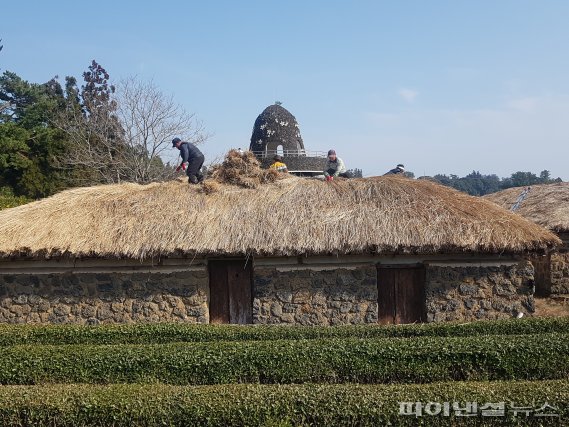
(401, 294)
(230, 291)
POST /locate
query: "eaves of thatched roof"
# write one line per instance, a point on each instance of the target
(291, 216)
(546, 205)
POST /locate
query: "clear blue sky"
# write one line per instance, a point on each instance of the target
(442, 86)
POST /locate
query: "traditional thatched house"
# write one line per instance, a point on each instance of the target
(548, 206)
(384, 249)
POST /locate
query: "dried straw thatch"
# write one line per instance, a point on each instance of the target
(546, 205)
(244, 170)
(289, 217)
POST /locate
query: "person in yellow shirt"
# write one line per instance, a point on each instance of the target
(278, 164)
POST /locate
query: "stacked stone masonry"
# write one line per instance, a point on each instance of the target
(471, 293)
(92, 298)
(315, 297)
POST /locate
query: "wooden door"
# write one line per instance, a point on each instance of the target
(218, 292)
(401, 294)
(542, 275)
(386, 279)
(230, 292)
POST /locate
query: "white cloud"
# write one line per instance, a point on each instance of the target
(527, 104)
(408, 95)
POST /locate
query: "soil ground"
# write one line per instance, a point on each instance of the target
(554, 306)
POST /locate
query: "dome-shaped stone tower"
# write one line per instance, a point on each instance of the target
(276, 131)
(276, 127)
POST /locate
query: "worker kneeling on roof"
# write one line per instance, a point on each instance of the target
(278, 164)
(192, 160)
(335, 167)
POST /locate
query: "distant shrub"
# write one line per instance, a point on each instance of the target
(8, 200)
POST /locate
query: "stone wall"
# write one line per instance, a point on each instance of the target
(478, 292)
(91, 298)
(560, 273)
(315, 297)
(300, 294)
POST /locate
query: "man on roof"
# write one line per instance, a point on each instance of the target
(278, 164)
(192, 160)
(335, 167)
(399, 169)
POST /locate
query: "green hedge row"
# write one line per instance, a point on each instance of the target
(168, 332)
(278, 405)
(424, 359)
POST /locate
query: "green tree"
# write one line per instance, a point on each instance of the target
(477, 184)
(9, 200)
(29, 142)
(356, 173)
(521, 179)
(14, 154)
(545, 176)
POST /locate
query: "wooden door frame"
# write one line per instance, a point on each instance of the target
(247, 261)
(414, 266)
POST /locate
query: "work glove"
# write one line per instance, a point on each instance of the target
(329, 178)
(182, 166)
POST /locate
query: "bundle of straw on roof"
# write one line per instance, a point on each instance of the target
(243, 170)
(293, 216)
(546, 205)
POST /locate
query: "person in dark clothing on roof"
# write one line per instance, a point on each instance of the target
(192, 160)
(399, 169)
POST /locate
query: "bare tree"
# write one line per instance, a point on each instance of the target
(94, 149)
(150, 120)
(95, 138)
(119, 134)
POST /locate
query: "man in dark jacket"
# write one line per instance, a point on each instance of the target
(400, 169)
(192, 160)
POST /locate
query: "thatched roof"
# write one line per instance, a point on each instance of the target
(546, 205)
(288, 217)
